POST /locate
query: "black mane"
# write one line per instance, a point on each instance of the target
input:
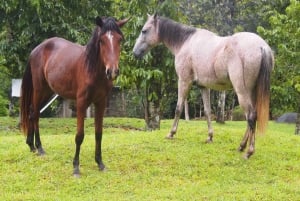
(172, 32)
(93, 47)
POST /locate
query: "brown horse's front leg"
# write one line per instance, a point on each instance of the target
(98, 153)
(99, 112)
(78, 140)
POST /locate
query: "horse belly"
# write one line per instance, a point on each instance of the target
(61, 80)
(212, 76)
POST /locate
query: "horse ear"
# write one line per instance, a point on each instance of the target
(155, 18)
(99, 21)
(120, 23)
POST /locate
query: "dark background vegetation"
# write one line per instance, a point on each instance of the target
(24, 24)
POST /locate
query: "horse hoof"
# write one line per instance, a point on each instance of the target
(247, 155)
(41, 152)
(32, 149)
(209, 141)
(241, 149)
(76, 173)
(170, 137)
(101, 167)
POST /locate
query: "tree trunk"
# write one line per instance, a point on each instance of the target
(221, 108)
(297, 130)
(152, 113)
(152, 116)
(186, 110)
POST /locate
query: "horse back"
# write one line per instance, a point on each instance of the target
(196, 60)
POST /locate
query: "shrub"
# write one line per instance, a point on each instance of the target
(238, 114)
(3, 106)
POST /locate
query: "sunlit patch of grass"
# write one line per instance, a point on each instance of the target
(143, 165)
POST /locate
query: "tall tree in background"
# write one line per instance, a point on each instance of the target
(284, 37)
(154, 77)
(24, 24)
(229, 16)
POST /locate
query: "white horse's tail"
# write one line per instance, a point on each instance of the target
(263, 89)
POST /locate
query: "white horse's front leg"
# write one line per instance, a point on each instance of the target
(183, 89)
(207, 110)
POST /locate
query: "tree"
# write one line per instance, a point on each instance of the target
(25, 24)
(154, 77)
(284, 37)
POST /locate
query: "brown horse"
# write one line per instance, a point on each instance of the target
(84, 73)
(242, 61)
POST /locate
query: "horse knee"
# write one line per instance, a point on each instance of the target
(252, 120)
(79, 138)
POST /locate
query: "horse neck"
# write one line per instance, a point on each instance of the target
(173, 34)
(94, 63)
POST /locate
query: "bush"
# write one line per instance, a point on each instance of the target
(3, 106)
(238, 114)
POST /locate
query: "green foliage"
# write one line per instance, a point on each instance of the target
(284, 37)
(5, 83)
(24, 24)
(238, 114)
(154, 76)
(146, 166)
(3, 106)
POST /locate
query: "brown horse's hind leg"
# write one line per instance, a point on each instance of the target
(38, 143)
(38, 100)
(30, 133)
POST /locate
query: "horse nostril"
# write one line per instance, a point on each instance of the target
(117, 71)
(108, 73)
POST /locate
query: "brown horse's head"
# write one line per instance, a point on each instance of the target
(104, 47)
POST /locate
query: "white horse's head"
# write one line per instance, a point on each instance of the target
(148, 37)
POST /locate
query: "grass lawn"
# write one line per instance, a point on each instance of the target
(145, 166)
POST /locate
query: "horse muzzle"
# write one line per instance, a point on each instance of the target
(112, 73)
(138, 55)
(139, 52)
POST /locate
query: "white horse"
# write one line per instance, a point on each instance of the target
(243, 61)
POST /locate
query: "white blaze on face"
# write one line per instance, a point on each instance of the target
(110, 38)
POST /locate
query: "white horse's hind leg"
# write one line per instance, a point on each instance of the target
(207, 110)
(183, 89)
(252, 128)
(247, 105)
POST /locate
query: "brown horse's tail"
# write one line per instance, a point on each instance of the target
(26, 98)
(263, 89)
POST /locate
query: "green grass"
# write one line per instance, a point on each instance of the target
(145, 166)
